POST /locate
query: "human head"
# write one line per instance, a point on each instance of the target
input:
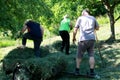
(28, 20)
(85, 12)
(65, 16)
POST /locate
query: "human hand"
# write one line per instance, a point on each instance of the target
(74, 39)
(18, 35)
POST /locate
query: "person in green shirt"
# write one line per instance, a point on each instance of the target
(64, 29)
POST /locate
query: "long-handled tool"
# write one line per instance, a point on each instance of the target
(98, 46)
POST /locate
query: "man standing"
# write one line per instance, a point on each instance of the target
(35, 33)
(87, 25)
(64, 29)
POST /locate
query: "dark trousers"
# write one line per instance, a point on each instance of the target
(37, 42)
(65, 41)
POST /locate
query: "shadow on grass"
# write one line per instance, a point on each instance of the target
(111, 54)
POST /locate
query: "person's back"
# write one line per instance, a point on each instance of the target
(35, 33)
(65, 25)
(87, 27)
(34, 29)
(64, 30)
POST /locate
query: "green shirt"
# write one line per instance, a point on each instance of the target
(65, 25)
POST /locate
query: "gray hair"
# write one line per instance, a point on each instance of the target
(85, 11)
(28, 20)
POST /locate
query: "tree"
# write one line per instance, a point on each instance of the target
(110, 8)
(15, 12)
(100, 7)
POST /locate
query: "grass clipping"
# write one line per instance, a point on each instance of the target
(40, 68)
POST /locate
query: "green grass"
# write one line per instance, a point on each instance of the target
(6, 43)
(109, 51)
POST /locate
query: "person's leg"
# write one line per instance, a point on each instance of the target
(37, 43)
(24, 39)
(78, 61)
(91, 62)
(63, 40)
(80, 52)
(67, 42)
(90, 51)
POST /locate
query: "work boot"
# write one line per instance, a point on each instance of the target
(76, 71)
(61, 49)
(37, 54)
(21, 47)
(92, 74)
(67, 53)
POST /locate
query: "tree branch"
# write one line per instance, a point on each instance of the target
(117, 18)
(106, 4)
(115, 3)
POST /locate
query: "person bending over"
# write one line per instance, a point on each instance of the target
(35, 33)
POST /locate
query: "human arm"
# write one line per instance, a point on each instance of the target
(74, 34)
(75, 29)
(70, 26)
(96, 25)
(42, 30)
(20, 33)
(97, 28)
(24, 28)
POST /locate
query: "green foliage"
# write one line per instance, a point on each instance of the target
(48, 12)
(102, 20)
(117, 11)
(14, 13)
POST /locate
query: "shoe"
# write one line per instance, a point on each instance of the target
(95, 75)
(67, 53)
(21, 47)
(61, 49)
(92, 74)
(77, 72)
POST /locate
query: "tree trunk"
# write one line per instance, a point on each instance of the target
(110, 10)
(112, 36)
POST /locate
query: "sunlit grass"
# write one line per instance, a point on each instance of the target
(5, 43)
(105, 30)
